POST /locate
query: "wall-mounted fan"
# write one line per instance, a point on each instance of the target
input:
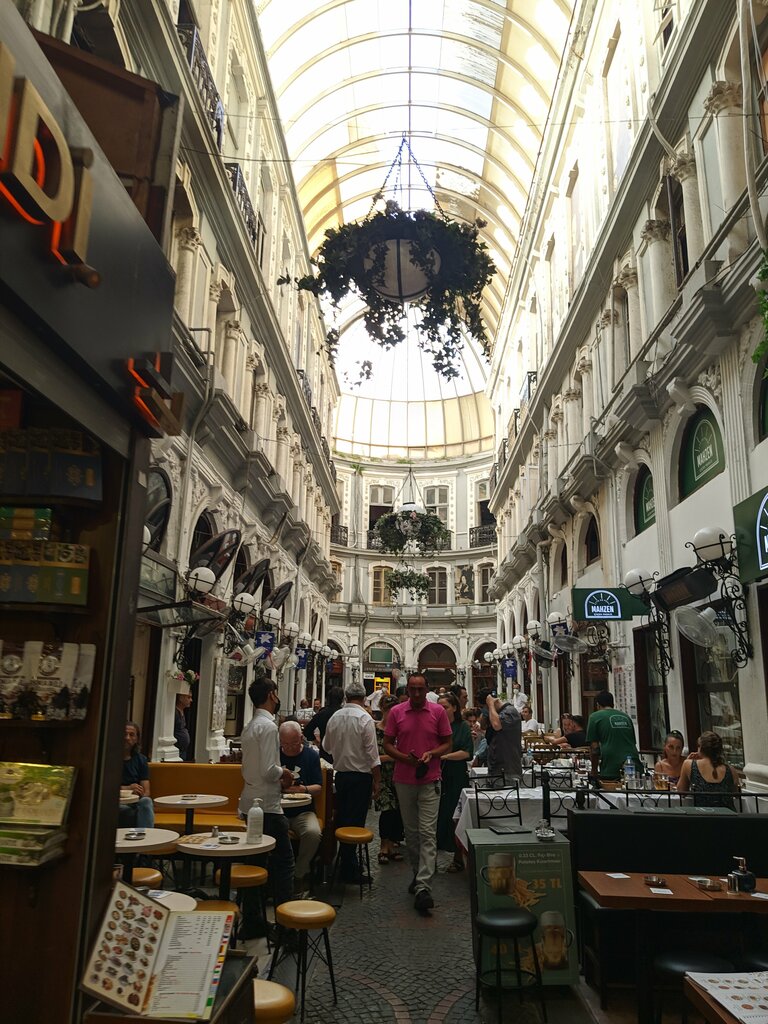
(543, 653)
(570, 644)
(698, 627)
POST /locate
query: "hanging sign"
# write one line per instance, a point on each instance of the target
(301, 657)
(510, 668)
(265, 640)
(604, 604)
(750, 518)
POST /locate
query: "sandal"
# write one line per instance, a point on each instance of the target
(383, 858)
(454, 868)
(395, 856)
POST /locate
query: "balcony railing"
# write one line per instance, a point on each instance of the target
(332, 468)
(206, 87)
(493, 478)
(306, 387)
(340, 535)
(243, 200)
(316, 419)
(501, 456)
(326, 447)
(480, 536)
(374, 543)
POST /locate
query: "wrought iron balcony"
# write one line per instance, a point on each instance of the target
(206, 87)
(501, 456)
(316, 419)
(332, 467)
(374, 543)
(325, 446)
(306, 387)
(243, 200)
(481, 536)
(493, 478)
(340, 535)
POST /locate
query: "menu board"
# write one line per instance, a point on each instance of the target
(743, 995)
(156, 962)
(520, 871)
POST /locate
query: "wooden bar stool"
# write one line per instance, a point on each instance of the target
(249, 876)
(149, 877)
(272, 1003)
(361, 838)
(509, 924)
(305, 916)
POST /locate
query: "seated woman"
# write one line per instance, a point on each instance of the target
(707, 775)
(136, 778)
(574, 733)
(672, 761)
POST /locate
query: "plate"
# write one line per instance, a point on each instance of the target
(295, 796)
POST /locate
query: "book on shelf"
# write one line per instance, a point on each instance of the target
(35, 794)
(28, 846)
(155, 962)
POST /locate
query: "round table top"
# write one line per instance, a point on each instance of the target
(201, 845)
(153, 838)
(129, 798)
(191, 800)
(173, 900)
(295, 800)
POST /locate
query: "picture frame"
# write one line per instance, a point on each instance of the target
(231, 708)
(235, 679)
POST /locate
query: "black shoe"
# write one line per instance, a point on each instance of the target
(412, 886)
(423, 901)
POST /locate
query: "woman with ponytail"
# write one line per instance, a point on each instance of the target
(707, 775)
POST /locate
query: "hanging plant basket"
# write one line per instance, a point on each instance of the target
(394, 257)
(418, 532)
(416, 583)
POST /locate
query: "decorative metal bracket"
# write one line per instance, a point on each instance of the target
(733, 595)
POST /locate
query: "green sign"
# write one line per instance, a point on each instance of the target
(750, 519)
(603, 604)
(645, 502)
(702, 457)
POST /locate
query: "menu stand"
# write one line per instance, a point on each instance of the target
(233, 1005)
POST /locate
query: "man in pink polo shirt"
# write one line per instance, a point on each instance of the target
(418, 733)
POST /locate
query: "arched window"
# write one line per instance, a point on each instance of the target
(591, 542)
(241, 562)
(380, 590)
(702, 456)
(158, 507)
(204, 531)
(438, 586)
(762, 427)
(564, 565)
(644, 501)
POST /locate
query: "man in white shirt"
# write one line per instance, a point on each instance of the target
(373, 700)
(265, 777)
(529, 722)
(350, 739)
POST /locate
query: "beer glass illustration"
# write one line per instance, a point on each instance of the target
(555, 940)
(499, 873)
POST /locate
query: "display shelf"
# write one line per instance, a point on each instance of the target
(44, 609)
(34, 867)
(48, 723)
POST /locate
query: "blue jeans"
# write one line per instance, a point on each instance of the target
(138, 815)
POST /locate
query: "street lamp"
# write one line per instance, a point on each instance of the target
(715, 551)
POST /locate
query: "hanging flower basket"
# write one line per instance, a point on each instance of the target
(419, 532)
(416, 583)
(394, 257)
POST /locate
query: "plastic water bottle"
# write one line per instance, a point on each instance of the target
(629, 772)
(255, 831)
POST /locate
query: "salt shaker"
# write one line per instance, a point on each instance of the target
(215, 832)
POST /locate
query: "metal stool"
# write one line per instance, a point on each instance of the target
(359, 837)
(249, 876)
(150, 877)
(676, 964)
(272, 1003)
(507, 924)
(305, 916)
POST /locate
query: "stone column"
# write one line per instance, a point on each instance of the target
(296, 488)
(189, 242)
(584, 367)
(214, 294)
(282, 439)
(724, 102)
(572, 416)
(231, 346)
(684, 169)
(260, 417)
(663, 284)
(627, 280)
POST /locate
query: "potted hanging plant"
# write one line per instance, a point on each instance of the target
(408, 530)
(394, 257)
(416, 583)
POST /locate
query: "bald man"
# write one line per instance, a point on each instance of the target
(296, 755)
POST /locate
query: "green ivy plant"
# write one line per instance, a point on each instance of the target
(416, 583)
(420, 532)
(762, 304)
(352, 259)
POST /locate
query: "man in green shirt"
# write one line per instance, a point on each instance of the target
(611, 735)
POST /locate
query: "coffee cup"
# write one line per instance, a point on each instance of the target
(499, 873)
(555, 940)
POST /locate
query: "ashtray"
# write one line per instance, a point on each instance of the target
(188, 796)
(712, 885)
(655, 880)
(228, 840)
(136, 834)
(545, 835)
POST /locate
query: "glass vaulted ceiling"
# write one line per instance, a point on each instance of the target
(469, 82)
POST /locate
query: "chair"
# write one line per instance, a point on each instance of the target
(249, 876)
(361, 838)
(305, 916)
(676, 964)
(600, 931)
(498, 801)
(272, 1003)
(514, 924)
(149, 877)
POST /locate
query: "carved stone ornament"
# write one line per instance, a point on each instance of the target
(252, 362)
(683, 166)
(607, 316)
(723, 96)
(656, 231)
(711, 380)
(262, 389)
(215, 288)
(232, 328)
(189, 238)
(627, 278)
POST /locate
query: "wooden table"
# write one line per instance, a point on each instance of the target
(190, 802)
(631, 893)
(154, 839)
(712, 1011)
(201, 845)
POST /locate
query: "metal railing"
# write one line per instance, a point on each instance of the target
(316, 419)
(340, 535)
(203, 76)
(501, 455)
(306, 387)
(493, 478)
(243, 200)
(374, 542)
(480, 536)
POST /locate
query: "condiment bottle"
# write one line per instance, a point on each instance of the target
(215, 832)
(255, 831)
(747, 882)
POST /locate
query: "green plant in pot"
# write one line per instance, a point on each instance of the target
(410, 530)
(394, 258)
(415, 583)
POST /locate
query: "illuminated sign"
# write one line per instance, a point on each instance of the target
(605, 604)
(43, 180)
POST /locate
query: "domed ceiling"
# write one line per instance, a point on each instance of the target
(468, 82)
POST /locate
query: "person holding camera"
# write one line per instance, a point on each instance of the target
(504, 735)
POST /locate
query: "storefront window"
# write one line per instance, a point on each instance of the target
(645, 501)
(650, 684)
(702, 456)
(717, 695)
